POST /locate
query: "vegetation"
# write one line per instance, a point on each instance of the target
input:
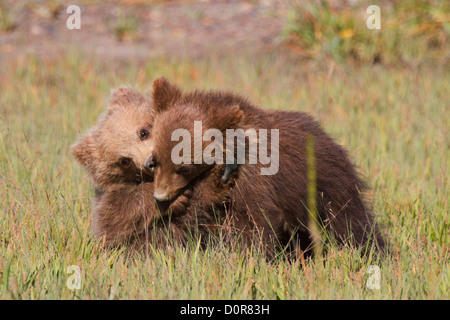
(394, 122)
(392, 117)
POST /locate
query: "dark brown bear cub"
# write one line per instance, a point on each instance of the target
(273, 204)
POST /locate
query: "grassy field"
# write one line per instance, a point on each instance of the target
(395, 122)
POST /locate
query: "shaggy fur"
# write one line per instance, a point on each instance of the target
(123, 207)
(273, 205)
(116, 137)
(271, 208)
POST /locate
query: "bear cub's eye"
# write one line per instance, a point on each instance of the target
(125, 162)
(143, 134)
(184, 170)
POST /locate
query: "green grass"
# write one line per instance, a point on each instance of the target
(395, 122)
(411, 31)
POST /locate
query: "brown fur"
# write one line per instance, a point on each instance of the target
(124, 211)
(124, 208)
(273, 205)
(127, 215)
(116, 136)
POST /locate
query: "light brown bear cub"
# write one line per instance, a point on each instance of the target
(114, 151)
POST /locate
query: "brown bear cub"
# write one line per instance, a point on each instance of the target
(275, 204)
(113, 152)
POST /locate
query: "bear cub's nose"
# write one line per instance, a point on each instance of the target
(150, 163)
(161, 196)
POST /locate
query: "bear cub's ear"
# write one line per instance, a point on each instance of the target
(125, 95)
(164, 94)
(230, 117)
(84, 150)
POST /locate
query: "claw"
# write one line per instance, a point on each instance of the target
(229, 168)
